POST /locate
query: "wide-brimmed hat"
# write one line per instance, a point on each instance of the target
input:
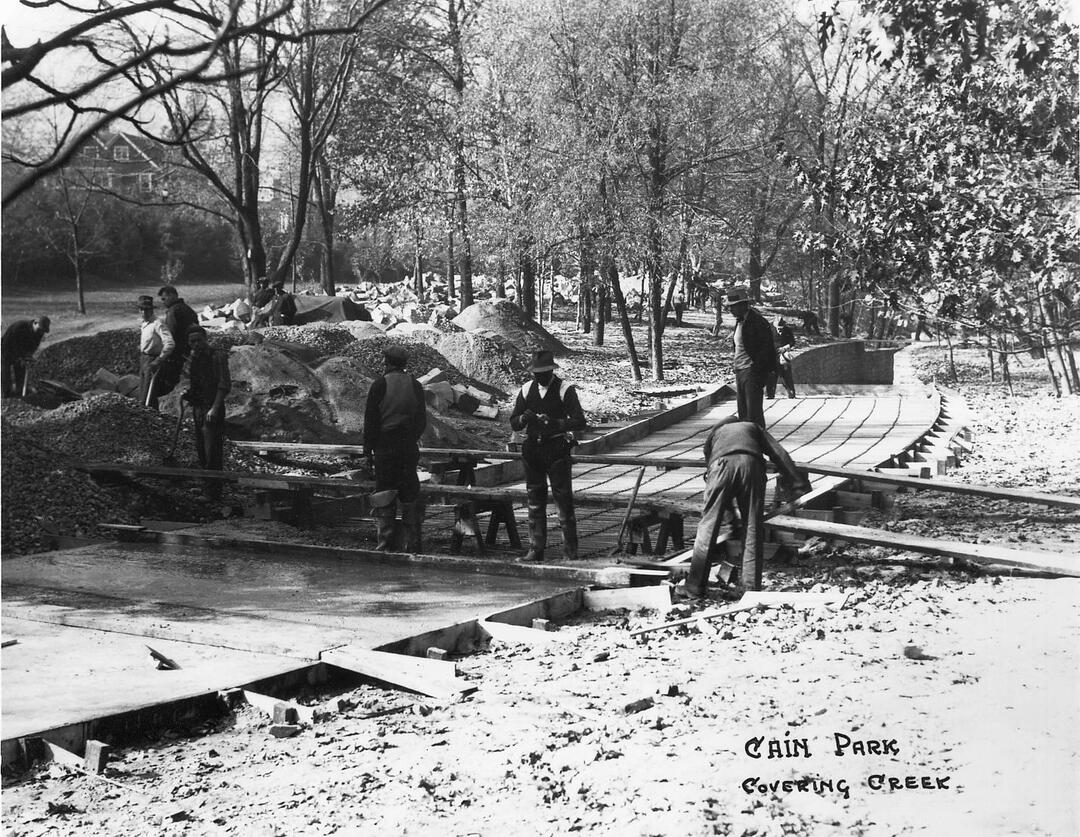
(542, 361)
(737, 295)
(43, 323)
(145, 301)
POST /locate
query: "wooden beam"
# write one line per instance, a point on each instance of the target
(518, 634)
(427, 677)
(657, 597)
(1027, 559)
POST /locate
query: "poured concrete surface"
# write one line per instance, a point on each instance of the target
(84, 616)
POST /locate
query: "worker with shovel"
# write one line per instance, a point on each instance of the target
(735, 480)
(156, 346)
(208, 375)
(394, 419)
(20, 341)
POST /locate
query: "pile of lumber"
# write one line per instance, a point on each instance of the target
(441, 395)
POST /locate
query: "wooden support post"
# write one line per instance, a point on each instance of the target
(95, 756)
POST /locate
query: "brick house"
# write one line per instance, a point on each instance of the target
(126, 163)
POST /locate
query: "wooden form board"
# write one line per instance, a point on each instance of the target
(656, 597)
(434, 678)
(520, 635)
(981, 553)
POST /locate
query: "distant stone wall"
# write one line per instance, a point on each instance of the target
(848, 362)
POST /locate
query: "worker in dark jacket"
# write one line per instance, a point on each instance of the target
(17, 347)
(394, 419)
(179, 317)
(548, 411)
(755, 356)
(208, 375)
(735, 480)
(283, 311)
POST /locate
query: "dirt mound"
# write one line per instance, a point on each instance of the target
(508, 321)
(486, 358)
(422, 357)
(345, 384)
(74, 361)
(265, 370)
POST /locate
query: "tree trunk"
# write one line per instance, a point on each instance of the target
(500, 281)
(603, 311)
(585, 281)
(834, 305)
(418, 258)
(611, 273)
(326, 203)
(450, 258)
(551, 291)
(528, 284)
(460, 195)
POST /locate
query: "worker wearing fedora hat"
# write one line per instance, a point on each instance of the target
(20, 341)
(547, 409)
(156, 345)
(754, 356)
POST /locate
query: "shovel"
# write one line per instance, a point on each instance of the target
(25, 379)
(170, 460)
(150, 391)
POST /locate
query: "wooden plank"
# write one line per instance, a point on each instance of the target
(657, 597)
(1027, 559)
(520, 635)
(400, 670)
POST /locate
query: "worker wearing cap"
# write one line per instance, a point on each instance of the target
(735, 480)
(547, 409)
(754, 356)
(156, 345)
(208, 374)
(283, 310)
(394, 419)
(17, 347)
(785, 344)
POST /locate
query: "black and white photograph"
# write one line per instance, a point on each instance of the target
(482, 418)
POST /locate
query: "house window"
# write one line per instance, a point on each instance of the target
(120, 152)
(146, 181)
(90, 152)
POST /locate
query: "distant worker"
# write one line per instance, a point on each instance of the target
(680, 306)
(922, 325)
(785, 343)
(17, 347)
(283, 311)
(548, 411)
(156, 346)
(755, 356)
(179, 317)
(735, 479)
(208, 374)
(394, 420)
(263, 295)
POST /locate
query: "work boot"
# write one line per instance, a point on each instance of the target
(412, 516)
(568, 522)
(384, 513)
(537, 533)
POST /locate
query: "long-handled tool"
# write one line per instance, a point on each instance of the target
(150, 389)
(25, 378)
(170, 460)
(629, 512)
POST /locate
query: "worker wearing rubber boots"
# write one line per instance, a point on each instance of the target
(548, 411)
(394, 419)
(735, 479)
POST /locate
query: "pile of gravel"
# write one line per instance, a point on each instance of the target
(328, 339)
(40, 493)
(75, 361)
(422, 357)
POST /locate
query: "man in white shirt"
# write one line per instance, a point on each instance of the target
(156, 344)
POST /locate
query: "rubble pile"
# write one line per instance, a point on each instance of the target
(327, 339)
(76, 361)
(422, 357)
(508, 321)
(41, 494)
(487, 357)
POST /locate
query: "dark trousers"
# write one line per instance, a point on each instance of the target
(209, 446)
(396, 460)
(734, 481)
(148, 381)
(784, 374)
(546, 462)
(14, 375)
(750, 396)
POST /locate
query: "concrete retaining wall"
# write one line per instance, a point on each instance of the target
(848, 362)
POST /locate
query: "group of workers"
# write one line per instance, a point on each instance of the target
(546, 410)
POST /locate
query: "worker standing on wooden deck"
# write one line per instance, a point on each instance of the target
(394, 419)
(208, 376)
(754, 356)
(735, 478)
(548, 411)
(156, 344)
(785, 344)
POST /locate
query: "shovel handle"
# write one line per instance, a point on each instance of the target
(150, 389)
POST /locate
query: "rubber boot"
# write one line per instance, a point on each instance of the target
(568, 523)
(412, 516)
(537, 532)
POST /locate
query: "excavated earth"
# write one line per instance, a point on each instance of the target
(970, 681)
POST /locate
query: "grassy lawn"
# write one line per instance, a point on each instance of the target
(106, 307)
